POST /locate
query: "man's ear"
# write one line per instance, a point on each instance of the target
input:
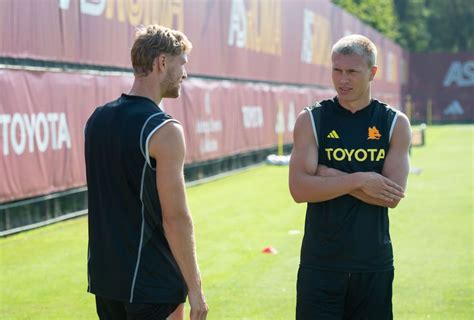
(373, 71)
(160, 63)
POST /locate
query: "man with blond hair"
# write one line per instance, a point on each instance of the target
(350, 164)
(142, 258)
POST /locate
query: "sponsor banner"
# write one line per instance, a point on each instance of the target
(42, 117)
(443, 82)
(282, 41)
(223, 118)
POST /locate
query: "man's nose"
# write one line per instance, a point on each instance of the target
(345, 77)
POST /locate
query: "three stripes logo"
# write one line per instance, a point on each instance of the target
(333, 135)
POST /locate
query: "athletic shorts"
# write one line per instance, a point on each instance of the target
(108, 309)
(327, 295)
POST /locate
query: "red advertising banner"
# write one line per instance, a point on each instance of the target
(42, 116)
(443, 83)
(285, 41)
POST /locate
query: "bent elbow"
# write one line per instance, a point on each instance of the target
(393, 204)
(296, 195)
(298, 199)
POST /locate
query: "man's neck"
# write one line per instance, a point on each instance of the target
(355, 105)
(141, 88)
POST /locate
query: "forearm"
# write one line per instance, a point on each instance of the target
(180, 235)
(356, 193)
(168, 147)
(362, 196)
(307, 188)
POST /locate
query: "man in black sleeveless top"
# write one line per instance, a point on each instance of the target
(350, 164)
(142, 261)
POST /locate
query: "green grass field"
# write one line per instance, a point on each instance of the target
(43, 272)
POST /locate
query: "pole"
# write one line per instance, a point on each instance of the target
(280, 128)
(429, 112)
(408, 107)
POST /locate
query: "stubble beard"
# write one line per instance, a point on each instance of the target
(172, 88)
(172, 93)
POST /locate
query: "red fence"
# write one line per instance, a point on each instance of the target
(42, 113)
(283, 41)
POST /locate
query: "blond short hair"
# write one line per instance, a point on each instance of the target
(153, 40)
(356, 44)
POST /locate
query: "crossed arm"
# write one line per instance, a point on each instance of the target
(167, 146)
(311, 182)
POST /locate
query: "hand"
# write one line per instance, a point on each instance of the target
(198, 304)
(377, 186)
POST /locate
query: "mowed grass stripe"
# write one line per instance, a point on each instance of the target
(43, 272)
(433, 230)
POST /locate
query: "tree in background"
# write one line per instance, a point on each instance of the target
(419, 25)
(451, 24)
(380, 14)
(413, 29)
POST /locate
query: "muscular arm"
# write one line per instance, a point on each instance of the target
(168, 148)
(305, 185)
(396, 166)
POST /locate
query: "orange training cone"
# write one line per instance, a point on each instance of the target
(270, 250)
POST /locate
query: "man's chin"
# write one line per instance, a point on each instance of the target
(172, 94)
(344, 93)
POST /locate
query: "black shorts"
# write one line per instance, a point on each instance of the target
(327, 295)
(108, 309)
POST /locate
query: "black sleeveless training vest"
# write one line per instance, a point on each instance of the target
(346, 234)
(129, 257)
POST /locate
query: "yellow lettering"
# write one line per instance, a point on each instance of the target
(150, 13)
(273, 27)
(134, 11)
(341, 157)
(358, 157)
(176, 14)
(168, 13)
(109, 13)
(264, 26)
(328, 150)
(321, 41)
(361, 155)
(253, 35)
(381, 155)
(372, 153)
(349, 153)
